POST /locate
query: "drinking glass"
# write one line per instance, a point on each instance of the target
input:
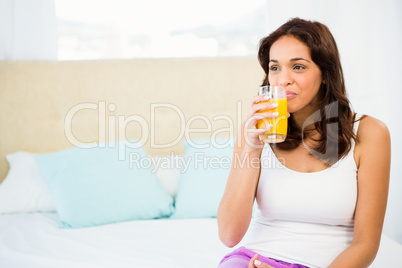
(278, 132)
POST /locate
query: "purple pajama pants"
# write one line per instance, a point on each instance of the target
(241, 257)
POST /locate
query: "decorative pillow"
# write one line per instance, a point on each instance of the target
(167, 168)
(95, 186)
(24, 189)
(206, 167)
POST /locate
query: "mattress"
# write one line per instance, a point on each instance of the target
(35, 240)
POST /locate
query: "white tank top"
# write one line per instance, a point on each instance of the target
(304, 218)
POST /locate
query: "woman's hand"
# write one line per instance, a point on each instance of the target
(259, 110)
(236, 207)
(254, 262)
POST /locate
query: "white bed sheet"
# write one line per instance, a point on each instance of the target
(36, 241)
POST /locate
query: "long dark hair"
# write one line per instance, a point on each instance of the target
(334, 119)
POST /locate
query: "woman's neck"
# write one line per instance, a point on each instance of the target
(300, 117)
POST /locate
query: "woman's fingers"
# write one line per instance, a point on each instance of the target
(259, 264)
(252, 121)
(261, 102)
(265, 115)
(260, 109)
(254, 262)
(252, 133)
(257, 99)
(251, 263)
(263, 107)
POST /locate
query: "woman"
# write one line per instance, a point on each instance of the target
(322, 203)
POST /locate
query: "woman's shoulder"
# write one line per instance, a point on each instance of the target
(373, 138)
(371, 128)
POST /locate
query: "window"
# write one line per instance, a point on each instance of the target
(104, 29)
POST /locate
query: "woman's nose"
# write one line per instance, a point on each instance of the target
(285, 78)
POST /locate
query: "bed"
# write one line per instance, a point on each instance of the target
(36, 241)
(121, 163)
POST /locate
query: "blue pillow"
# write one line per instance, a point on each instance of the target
(95, 186)
(201, 186)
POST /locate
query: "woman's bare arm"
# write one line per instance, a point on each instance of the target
(235, 209)
(373, 158)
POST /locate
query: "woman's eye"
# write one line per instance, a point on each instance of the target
(299, 67)
(274, 68)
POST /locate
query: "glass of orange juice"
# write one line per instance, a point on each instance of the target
(278, 132)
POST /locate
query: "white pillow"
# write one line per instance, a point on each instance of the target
(24, 189)
(168, 168)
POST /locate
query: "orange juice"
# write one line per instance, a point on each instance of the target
(279, 128)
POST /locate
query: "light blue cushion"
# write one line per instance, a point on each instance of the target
(203, 181)
(93, 187)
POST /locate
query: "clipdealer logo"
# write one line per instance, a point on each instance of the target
(109, 125)
(114, 127)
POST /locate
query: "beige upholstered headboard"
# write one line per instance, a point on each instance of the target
(47, 106)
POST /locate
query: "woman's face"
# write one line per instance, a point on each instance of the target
(291, 66)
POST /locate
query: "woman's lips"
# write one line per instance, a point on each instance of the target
(290, 95)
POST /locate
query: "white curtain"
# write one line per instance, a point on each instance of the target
(369, 37)
(28, 30)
